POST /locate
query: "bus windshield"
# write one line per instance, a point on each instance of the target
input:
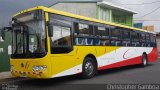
(29, 38)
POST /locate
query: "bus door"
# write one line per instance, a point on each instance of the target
(62, 50)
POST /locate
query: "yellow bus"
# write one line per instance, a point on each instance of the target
(48, 43)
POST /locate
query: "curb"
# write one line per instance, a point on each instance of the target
(6, 75)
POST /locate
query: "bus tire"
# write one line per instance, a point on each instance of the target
(144, 60)
(89, 68)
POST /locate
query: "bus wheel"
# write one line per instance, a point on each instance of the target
(89, 68)
(144, 60)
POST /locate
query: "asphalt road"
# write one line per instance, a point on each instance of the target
(125, 75)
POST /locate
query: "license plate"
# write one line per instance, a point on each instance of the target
(24, 75)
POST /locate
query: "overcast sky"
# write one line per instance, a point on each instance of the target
(10, 7)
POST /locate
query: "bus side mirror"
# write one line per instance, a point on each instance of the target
(3, 31)
(7, 29)
(50, 29)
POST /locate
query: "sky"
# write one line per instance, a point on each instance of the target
(10, 7)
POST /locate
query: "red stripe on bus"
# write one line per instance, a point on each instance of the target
(153, 56)
(132, 61)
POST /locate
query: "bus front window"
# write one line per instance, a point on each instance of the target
(29, 38)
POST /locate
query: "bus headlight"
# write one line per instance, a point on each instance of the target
(39, 68)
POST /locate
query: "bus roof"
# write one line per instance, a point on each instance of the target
(46, 9)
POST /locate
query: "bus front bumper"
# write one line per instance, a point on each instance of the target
(29, 68)
(29, 74)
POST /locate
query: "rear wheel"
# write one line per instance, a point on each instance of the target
(144, 60)
(89, 68)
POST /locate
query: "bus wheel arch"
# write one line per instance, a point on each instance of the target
(89, 66)
(93, 57)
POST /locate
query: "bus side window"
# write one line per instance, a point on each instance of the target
(79, 41)
(104, 42)
(115, 43)
(82, 34)
(97, 41)
(83, 29)
(135, 44)
(102, 35)
(83, 41)
(135, 39)
(115, 36)
(143, 39)
(126, 43)
(115, 33)
(61, 40)
(88, 41)
(153, 40)
(100, 31)
(61, 36)
(126, 38)
(148, 41)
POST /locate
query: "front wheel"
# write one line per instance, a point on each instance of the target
(89, 68)
(144, 60)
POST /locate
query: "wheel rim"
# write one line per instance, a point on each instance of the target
(144, 61)
(89, 68)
